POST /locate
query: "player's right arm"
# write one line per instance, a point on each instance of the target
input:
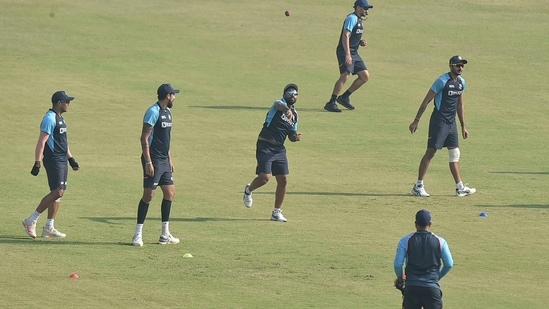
(40, 145)
(345, 35)
(145, 134)
(428, 98)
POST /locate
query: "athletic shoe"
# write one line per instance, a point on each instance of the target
(332, 107)
(277, 216)
(419, 190)
(53, 233)
(168, 240)
(137, 240)
(465, 191)
(345, 102)
(30, 228)
(248, 200)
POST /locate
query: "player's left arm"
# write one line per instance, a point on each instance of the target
(461, 117)
(447, 260)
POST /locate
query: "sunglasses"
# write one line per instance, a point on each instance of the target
(459, 65)
(67, 102)
(293, 92)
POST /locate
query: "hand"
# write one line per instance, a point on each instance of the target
(464, 132)
(35, 168)
(74, 164)
(149, 169)
(400, 284)
(363, 42)
(348, 60)
(298, 137)
(289, 114)
(413, 126)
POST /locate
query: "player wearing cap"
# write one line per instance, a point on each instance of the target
(281, 122)
(157, 163)
(427, 258)
(53, 148)
(348, 58)
(447, 92)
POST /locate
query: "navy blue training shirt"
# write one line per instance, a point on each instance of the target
(56, 145)
(161, 121)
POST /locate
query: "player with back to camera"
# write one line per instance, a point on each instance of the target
(447, 92)
(428, 259)
(348, 59)
(157, 164)
(53, 148)
(281, 122)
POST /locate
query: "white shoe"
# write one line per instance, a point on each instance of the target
(248, 200)
(137, 240)
(168, 240)
(30, 228)
(277, 216)
(53, 233)
(419, 190)
(465, 191)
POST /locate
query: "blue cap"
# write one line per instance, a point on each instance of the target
(166, 89)
(423, 217)
(363, 3)
(60, 96)
(457, 59)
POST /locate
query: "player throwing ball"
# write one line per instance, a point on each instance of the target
(281, 122)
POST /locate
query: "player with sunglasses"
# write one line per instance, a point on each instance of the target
(447, 92)
(281, 122)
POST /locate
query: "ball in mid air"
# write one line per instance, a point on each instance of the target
(287, 13)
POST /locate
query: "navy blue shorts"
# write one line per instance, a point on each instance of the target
(442, 134)
(162, 174)
(271, 159)
(417, 297)
(355, 67)
(57, 172)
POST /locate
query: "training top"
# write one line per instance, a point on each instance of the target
(277, 126)
(353, 24)
(56, 145)
(447, 96)
(422, 252)
(161, 121)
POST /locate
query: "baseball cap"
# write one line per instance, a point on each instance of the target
(423, 217)
(363, 3)
(60, 96)
(457, 59)
(290, 86)
(166, 89)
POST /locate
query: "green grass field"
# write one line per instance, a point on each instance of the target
(348, 202)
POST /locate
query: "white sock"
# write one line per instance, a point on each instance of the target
(459, 185)
(419, 183)
(165, 228)
(34, 216)
(49, 224)
(276, 210)
(139, 229)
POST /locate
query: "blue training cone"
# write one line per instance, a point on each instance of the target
(483, 214)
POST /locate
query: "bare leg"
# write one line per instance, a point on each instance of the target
(281, 182)
(340, 83)
(425, 161)
(259, 181)
(363, 77)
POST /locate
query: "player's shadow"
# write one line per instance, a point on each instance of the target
(340, 193)
(18, 240)
(229, 107)
(118, 220)
(535, 206)
(521, 173)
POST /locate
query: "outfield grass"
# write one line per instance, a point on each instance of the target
(348, 202)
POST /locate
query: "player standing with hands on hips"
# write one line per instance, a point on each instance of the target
(53, 148)
(281, 122)
(348, 58)
(447, 91)
(428, 259)
(157, 164)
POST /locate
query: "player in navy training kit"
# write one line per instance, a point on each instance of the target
(348, 58)
(157, 164)
(447, 91)
(53, 148)
(281, 122)
(428, 259)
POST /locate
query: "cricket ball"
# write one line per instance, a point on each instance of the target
(287, 13)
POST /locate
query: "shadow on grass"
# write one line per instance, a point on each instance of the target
(539, 206)
(521, 173)
(339, 193)
(10, 239)
(113, 220)
(227, 107)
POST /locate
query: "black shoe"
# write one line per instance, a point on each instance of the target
(345, 102)
(332, 107)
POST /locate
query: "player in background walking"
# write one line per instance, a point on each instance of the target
(281, 122)
(157, 164)
(428, 259)
(348, 58)
(447, 92)
(53, 148)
